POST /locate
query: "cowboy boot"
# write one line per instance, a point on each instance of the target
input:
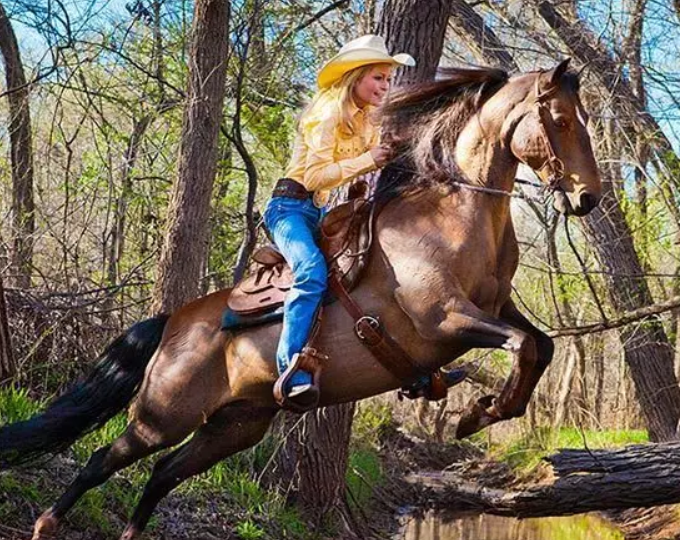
(300, 397)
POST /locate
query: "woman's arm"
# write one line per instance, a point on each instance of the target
(322, 171)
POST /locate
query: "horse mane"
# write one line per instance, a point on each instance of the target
(423, 121)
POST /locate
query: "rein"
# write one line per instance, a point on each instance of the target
(549, 189)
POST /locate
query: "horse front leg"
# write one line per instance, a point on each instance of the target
(545, 348)
(533, 352)
(468, 327)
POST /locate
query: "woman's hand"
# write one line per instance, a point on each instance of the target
(382, 155)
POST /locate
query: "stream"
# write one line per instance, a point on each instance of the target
(489, 527)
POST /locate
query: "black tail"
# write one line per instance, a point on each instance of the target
(109, 388)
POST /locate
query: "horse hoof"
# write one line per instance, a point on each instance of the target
(476, 417)
(45, 527)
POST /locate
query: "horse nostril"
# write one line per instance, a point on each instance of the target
(588, 201)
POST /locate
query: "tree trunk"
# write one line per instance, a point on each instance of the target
(647, 351)
(184, 250)
(7, 364)
(597, 359)
(317, 449)
(323, 457)
(632, 51)
(117, 241)
(416, 27)
(588, 481)
(565, 388)
(23, 208)
(257, 43)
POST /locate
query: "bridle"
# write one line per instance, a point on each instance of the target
(554, 164)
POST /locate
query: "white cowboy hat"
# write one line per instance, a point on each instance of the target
(368, 49)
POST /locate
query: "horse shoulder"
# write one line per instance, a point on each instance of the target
(423, 287)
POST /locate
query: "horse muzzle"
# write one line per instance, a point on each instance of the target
(579, 205)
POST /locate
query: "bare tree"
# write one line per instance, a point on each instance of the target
(23, 207)
(478, 37)
(184, 250)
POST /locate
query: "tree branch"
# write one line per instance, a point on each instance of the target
(627, 318)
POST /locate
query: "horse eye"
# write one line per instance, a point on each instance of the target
(560, 123)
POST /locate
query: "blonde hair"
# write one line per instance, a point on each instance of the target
(339, 97)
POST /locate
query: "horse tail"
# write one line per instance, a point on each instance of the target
(111, 385)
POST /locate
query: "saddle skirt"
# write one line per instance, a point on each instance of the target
(346, 236)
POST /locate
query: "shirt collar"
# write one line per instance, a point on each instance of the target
(354, 110)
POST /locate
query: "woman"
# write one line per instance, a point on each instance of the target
(337, 140)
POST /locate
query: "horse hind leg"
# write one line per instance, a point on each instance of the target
(103, 463)
(230, 430)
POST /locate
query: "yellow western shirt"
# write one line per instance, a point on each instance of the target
(324, 157)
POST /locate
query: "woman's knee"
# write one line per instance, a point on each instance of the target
(313, 271)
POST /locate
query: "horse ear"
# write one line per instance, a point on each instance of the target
(555, 74)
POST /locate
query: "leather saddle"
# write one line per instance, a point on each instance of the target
(346, 236)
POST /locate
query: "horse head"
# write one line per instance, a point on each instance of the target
(548, 133)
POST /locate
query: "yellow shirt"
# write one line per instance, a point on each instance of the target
(324, 158)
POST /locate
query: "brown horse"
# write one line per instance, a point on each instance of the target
(439, 278)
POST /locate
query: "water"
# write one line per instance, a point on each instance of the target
(487, 527)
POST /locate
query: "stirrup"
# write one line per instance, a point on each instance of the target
(310, 360)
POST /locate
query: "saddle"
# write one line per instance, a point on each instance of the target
(345, 242)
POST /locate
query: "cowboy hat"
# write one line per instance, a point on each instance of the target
(363, 51)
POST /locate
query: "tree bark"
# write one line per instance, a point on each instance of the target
(418, 28)
(588, 481)
(185, 246)
(23, 207)
(318, 451)
(7, 364)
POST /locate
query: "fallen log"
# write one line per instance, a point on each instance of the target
(638, 476)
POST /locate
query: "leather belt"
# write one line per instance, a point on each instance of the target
(287, 187)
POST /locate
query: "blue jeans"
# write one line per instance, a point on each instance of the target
(294, 226)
